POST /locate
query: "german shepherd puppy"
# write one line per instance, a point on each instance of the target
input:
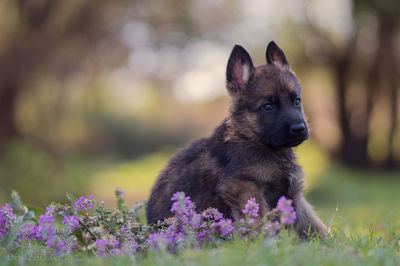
(250, 153)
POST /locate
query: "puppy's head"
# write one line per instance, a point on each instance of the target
(266, 100)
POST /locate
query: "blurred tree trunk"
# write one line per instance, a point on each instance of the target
(353, 150)
(8, 96)
(381, 80)
(382, 71)
(10, 82)
(388, 32)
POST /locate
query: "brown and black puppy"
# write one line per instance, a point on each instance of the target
(250, 153)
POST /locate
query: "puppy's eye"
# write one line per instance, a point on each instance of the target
(297, 102)
(268, 107)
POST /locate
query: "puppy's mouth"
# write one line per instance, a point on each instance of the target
(295, 142)
(289, 142)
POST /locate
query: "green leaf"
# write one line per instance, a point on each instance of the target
(29, 216)
(9, 239)
(79, 236)
(36, 209)
(135, 210)
(63, 213)
(19, 219)
(16, 204)
(71, 197)
(113, 223)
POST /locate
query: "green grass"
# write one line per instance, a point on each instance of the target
(337, 251)
(340, 249)
(362, 198)
(366, 225)
(41, 177)
(135, 176)
(366, 231)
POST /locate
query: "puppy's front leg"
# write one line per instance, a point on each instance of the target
(235, 193)
(307, 222)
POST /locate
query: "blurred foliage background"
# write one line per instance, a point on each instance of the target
(95, 94)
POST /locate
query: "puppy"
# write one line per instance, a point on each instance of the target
(250, 154)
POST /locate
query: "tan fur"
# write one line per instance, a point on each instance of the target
(238, 192)
(236, 163)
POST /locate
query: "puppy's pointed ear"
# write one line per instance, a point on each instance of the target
(239, 69)
(275, 56)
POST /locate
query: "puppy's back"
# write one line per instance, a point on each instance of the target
(194, 170)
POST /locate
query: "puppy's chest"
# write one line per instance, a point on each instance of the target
(276, 180)
(275, 188)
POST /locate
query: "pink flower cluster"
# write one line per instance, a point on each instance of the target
(71, 222)
(103, 245)
(186, 223)
(210, 224)
(248, 223)
(6, 219)
(119, 192)
(288, 215)
(251, 208)
(116, 232)
(272, 228)
(46, 233)
(84, 204)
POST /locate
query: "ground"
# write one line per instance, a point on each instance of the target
(360, 206)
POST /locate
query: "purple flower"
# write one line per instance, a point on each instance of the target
(251, 208)
(288, 215)
(181, 205)
(272, 229)
(101, 246)
(241, 226)
(27, 232)
(61, 247)
(6, 219)
(84, 204)
(7, 212)
(50, 209)
(134, 246)
(251, 221)
(173, 238)
(288, 218)
(105, 245)
(175, 234)
(284, 205)
(184, 210)
(201, 236)
(124, 229)
(225, 226)
(155, 239)
(196, 220)
(71, 222)
(212, 214)
(45, 230)
(119, 192)
(129, 246)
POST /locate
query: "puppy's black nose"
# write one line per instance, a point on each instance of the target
(297, 128)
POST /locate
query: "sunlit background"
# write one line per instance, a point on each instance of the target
(95, 94)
